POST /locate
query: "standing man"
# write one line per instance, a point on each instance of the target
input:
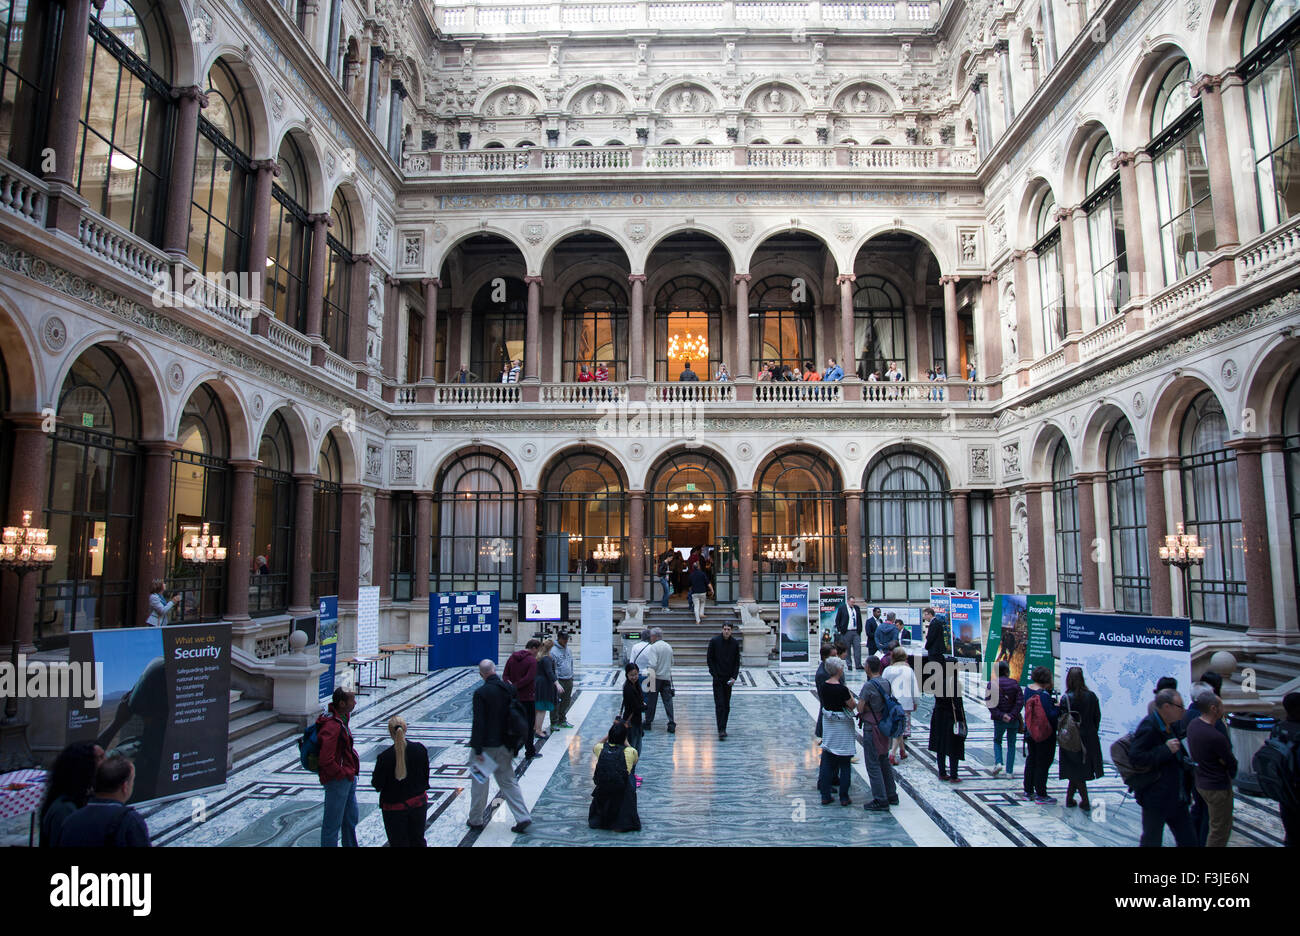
(724, 667)
(688, 375)
(936, 633)
(701, 588)
(833, 371)
(661, 661)
(563, 658)
(521, 672)
(875, 744)
(106, 821)
(489, 752)
(1156, 746)
(664, 571)
(339, 765)
(1216, 766)
(848, 627)
(873, 624)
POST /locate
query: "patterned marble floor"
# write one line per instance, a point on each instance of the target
(756, 788)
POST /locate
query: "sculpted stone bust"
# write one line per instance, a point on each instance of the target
(511, 105)
(598, 102)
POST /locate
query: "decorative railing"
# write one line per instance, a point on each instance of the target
(1102, 338)
(1276, 248)
(288, 340)
(1184, 296)
(1047, 367)
(476, 394)
(909, 391)
(485, 161)
(584, 394)
(910, 158)
(339, 368)
(691, 392)
(689, 157)
(790, 392)
(791, 157)
(22, 195)
(405, 394)
(587, 157)
(123, 250)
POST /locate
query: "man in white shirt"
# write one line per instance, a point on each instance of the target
(661, 659)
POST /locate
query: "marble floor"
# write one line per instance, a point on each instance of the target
(756, 788)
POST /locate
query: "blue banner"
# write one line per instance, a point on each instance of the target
(463, 628)
(327, 637)
(794, 622)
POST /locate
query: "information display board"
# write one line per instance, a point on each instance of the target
(794, 622)
(597, 646)
(463, 628)
(329, 644)
(367, 620)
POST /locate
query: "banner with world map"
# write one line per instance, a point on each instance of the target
(1122, 656)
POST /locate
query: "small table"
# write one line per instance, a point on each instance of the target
(21, 791)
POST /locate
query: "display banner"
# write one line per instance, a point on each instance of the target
(967, 640)
(1020, 632)
(367, 620)
(329, 644)
(165, 704)
(829, 599)
(463, 628)
(794, 622)
(939, 600)
(597, 644)
(1122, 656)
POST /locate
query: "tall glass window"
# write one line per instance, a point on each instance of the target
(1183, 202)
(1104, 209)
(288, 252)
(274, 499)
(327, 520)
(1065, 513)
(1212, 510)
(402, 581)
(29, 52)
(908, 540)
(879, 326)
(585, 526)
(499, 324)
(1271, 48)
(981, 541)
(93, 500)
(595, 328)
(780, 322)
(125, 136)
(799, 508)
(1126, 495)
(200, 494)
(1051, 281)
(223, 193)
(687, 309)
(338, 277)
(476, 526)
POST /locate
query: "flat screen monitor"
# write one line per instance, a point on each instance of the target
(544, 606)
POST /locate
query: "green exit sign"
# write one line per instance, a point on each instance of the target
(690, 485)
(88, 420)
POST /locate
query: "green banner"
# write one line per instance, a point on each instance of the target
(1020, 632)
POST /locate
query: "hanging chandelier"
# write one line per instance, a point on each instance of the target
(203, 547)
(606, 552)
(779, 551)
(689, 508)
(575, 538)
(688, 347)
(26, 546)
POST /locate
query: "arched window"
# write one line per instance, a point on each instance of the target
(274, 500)
(499, 325)
(1065, 514)
(125, 138)
(1105, 212)
(327, 520)
(1184, 206)
(1126, 495)
(200, 494)
(780, 322)
(288, 250)
(1271, 47)
(476, 526)
(688, 310)
(1291, 450)
(402, 557)
(1212, 510)
(798, 523)
(93, 499)
(338, 277)
(981, 541)
(690, 509)
(595, 327)
(28, 55)
(1051, 282)
(879, 325)
(584, 527)
(907, 533)
(220, 214)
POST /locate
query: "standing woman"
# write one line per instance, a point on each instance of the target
(902, 682)
(71, 778)
(948, 723)
(1038, 762)
(401, 776)
(159, 607)
(1078, 767)
(548, 687)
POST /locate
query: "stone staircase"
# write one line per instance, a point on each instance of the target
(254, 726)
(690, 641)
(1275, 671)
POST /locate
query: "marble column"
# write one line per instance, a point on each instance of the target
(423, 543)
(349, 541)
(528, 540)
(429, 336)
(391, 345)
(1219, 159)
(304, 522)
(742, 368)
(533, 330)
(359, 312)
(636, 328)
(63, 210)
(1004, 574)
(1003, 49)
(1037, 544)
(28, 480)
(1134, 242)
(951, 335)
(381, 562)
(961, 538)
(155, 498)
(316, 272)
(990, 344)
(239, 538)
(1070, 277)
(1254, 535)
(1087, 536)
(848, 353)
(1153, 490)
(853, 548)
(180, 187)
(636, 555)
(745, 545)
(1024, 314)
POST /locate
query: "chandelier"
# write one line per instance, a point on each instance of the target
(575, 538)
(606, 552)
(688, 347)
(690, 508)
(1182, 549)
(779, 551)
(203, 547)
(26, 545)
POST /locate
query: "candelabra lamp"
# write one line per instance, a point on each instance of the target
(23, 550)
(1184, 551)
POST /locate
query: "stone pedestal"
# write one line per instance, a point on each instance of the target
(296, 697)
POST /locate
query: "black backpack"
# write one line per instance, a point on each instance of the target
(517, 726)
(611, 770)
(1277, 768)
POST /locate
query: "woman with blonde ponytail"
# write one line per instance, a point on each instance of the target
(402, 778)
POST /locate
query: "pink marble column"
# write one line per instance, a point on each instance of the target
(349, 541)
(528, 540)
(952, 336)
(1134, 244)
(423, 542)
(239, 538)
(155, 500)
(1087, 535)
(303, 526)
(1004, 575)
(1037, 544)
(265, 172)
(961, 538)
(853, 548)
(381, 562)
(316, 271)
(1254, 534)
(990, 350)
(1153, 497)
(28, 480)
(358, 312)
(636, 552)
(1070, 276)
(848, 353)
(180, 189)
(745, 544)
(1218, 158)
(636, 328)
(533, 330)
(429, 337)
(64, 207)
(1024, 316)
(742, 369)
(388, 353)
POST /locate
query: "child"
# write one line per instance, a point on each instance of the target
(633, 706)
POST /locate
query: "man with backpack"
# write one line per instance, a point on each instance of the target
(106, 821)
(882, 719)
(337, 769)
(521, 673)
(1277, 768)
(1157, 751)
(498, 729)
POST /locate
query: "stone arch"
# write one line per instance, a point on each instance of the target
(440, 467)
(1265, 383)
(302, 138)
(255, 97)
(579, 271)
(762, 237)
(1225, 24)
(304, 454)
(508, 85)
(1138, 100)
(145, 375)
(1042, 448)
(629, 96)
(867, 84)
(945, 255)
(347, 443)
(929, 451)
(233, 405)
(1170, 405)
(547, 248)
(356, 214)
(657, 101)
(552, 461)
(655, 460)
(455, 240)
(764, 85)
(806, 446)
(1100, 422)
(1078, 153)
(185, 62)
(22, 361)
(1031, 202)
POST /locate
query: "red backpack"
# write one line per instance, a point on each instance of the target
(1036, 723)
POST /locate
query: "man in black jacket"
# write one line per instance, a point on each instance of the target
(106, 821)
(489, 755)
(724, 667)
(1164, 800)
(848, 627)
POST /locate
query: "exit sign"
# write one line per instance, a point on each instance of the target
(88, 420)
(690, 485)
